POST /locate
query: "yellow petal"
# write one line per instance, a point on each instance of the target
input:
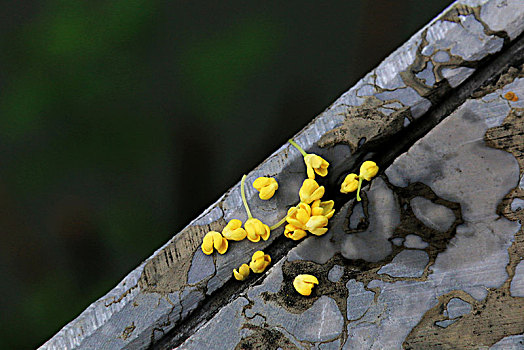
(294, 222)
(207, 244)
(368, 170)
(291, 211)
(321, 171)
(310, 191)
(316, 161)
(310, 171)
(266, 186)
(219, 242)
(242, 272)
(350, 184)
(261, 182)
(302, 216)
(316, 222)
(318, 231)
(296, 234)
(305, 207)
(256, 229)
(323, 208)
(259, 261)
(251, 228)
(304, 284)
(234, 231)
(267, 192)
(317, 194)
(265, 235)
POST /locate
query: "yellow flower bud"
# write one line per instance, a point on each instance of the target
(304, 284)
(234, 231)
(368, 170)
(242, 272)
(323, 208)
(256, 229)
(259, 261)
(215, 240)
(298, 216)
(294, 233)
(266, 186)
(316, 224)
(310, 191)
(350, 184)
(315, 164)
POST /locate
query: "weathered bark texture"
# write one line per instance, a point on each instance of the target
(431, 258)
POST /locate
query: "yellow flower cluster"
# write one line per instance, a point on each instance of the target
(253, 229)
(310, 215)
(353, 182)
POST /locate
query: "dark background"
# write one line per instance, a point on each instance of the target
(120, 121)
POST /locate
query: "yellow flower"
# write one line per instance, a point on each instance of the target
(368, 170)
(214, 239)
(256, 229)
(298, 216)
(259, 261)
(294, 233)
(234, 231)
(304, 284)
(323, 208)
(316, 224)
(266, 186)
(310, 191)
(242, 272)
(350, 184)
(315, 164)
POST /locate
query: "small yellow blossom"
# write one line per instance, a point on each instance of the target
(266, 186)
(315, 164)
(294, 233)
(259, 261)
(214, 239)
(234, 231)
(350, 183)
(310, 191)
(323, 208)
(316, 224)
(242, 272)
(256, 229)
(304, 284)
(298, 216)
(368, 170)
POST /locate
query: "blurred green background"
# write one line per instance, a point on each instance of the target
(120, 121)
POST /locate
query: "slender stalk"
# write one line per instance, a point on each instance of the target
(278, 224)
(297, 147)
(358, 189)
(243, 192)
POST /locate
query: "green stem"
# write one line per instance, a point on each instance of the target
(358, 189)
(278, 224)
(243, 192)
(297, 147)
